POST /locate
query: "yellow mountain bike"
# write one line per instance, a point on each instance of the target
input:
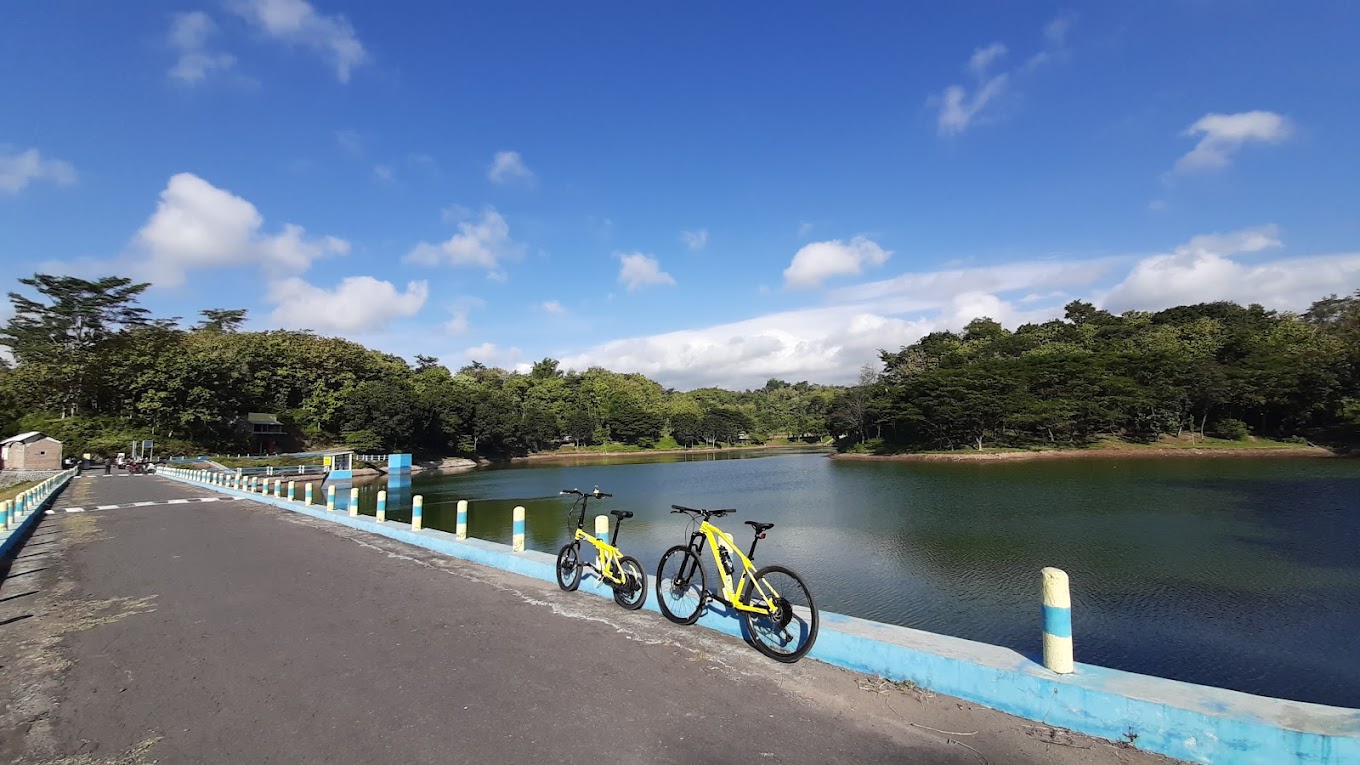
(622, 572)
(781, 618)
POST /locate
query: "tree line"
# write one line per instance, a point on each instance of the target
(94, 369)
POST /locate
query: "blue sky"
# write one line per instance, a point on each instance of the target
(708, 193)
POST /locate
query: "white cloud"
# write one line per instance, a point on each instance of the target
(1221, 135)
(459, 310)
(296, 22)
(198, 225)
(1205, 269)
(189, 38)
(959, 109)
(508, 167)
(357, 304)
(18, 169)
(982, 58)
(493, 356)
(637, 270)
(553, 306)
(816, 262)
(384, 173)
(695, 240)
(483, 243)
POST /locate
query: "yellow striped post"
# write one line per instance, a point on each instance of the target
(354, 502)
(602, 528)
(519, 529)
(1057, 621)
(291, 491)
(307, 493)
(330, 499)
(278, 487)
(417, 512)
(381, 513)
(460, 530)
(6, 508)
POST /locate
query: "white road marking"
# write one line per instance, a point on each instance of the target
(178, 502)
(106, 507)
(142, 504)
(208, 499)
(75, 509)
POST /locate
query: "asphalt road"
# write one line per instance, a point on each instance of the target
(234, 632)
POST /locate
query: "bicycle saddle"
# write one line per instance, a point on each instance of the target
(622, 513)
(759, 527)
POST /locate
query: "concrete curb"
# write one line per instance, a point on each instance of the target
(1182, 720)
(10, 544)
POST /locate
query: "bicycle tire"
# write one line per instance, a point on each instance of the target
(633, 593)
(569, 566)
(787, 635)
(679, 600)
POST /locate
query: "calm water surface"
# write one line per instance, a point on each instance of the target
(1242, 573)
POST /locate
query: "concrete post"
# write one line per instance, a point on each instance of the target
(5, 510)
(1057, 621)
(330, 499)
(307, 493)
(519, 529)
(460, 530)
(292, 491)
(354, 502)
(417, 512)
(381, 513)
(278, 487)
(602, 528)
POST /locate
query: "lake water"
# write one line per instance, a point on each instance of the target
(1242, 573)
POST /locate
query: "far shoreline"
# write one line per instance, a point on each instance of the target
(1107, 452)
(550, 456)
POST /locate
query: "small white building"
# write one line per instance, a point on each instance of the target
(30, 451)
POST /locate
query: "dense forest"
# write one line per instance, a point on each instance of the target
(94, 369)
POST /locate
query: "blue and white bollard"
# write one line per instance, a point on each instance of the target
(519, 529)
(292, 495)
(602, 528)
(417, 512)
(381, 513)
(330, 499)
(1057, 621)
(6, 508)
(307, 493)
(354, 502)
(460, 530)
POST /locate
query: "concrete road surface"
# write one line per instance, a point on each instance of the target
(233, 632)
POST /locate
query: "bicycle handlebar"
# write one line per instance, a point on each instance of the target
(703, 512)
(597, 494)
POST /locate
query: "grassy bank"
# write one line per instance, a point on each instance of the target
(1167, 446)
(13, 490)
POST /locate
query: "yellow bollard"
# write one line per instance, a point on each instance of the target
(354, 502)
(330, 499)
(291, 488)
(307, 493)
(518, 545)
(1057, 621)
(460, 530)
(381, 513)
(417, 512)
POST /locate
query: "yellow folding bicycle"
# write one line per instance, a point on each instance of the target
(781, 617)
(622, 572)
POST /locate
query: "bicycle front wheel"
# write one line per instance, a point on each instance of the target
(680, 585)
(632, 593)
(569, 566)
(789, 628)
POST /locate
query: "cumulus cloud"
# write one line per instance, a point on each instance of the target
(695, 240)
(1209, 268)
(961, 106)
(357, 304)
(189, 38)
(508, 167)
(493, 356)
(816, 262)
(1222, 135)
(829, 343)
(20, 168)
(296, 22)
(483, 243)
(637, 270)
(459, 310)
(198, 225)
(552, 306)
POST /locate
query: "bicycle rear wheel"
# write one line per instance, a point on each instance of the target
(680, 585)
(786, 633)
(569, 566)
(633, 592)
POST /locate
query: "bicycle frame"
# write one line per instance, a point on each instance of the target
(731, 596)
(606, 558)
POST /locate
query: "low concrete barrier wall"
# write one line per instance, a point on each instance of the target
(1182, 720)
(21, 513)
